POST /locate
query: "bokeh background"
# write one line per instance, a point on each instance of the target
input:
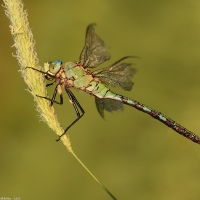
(133, 155)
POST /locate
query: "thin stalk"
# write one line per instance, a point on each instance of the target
(27, 57)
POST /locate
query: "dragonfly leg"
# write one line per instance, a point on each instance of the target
(36, 70)
(52, 100)
(50, 84)
(77, 106)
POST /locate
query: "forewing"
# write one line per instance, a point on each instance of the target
(108, 105)
(94, 52)
(117, 75)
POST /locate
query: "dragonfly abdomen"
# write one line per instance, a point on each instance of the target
(155, 114)
(97, 89)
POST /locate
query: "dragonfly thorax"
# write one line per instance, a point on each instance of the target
(70, 65)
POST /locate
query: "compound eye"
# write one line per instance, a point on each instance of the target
(51, 67)
(55, 66)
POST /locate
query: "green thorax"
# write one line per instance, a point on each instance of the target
(77, 74)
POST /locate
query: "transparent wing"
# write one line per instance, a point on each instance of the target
(117, 75)
(108, 105)
(94, 52)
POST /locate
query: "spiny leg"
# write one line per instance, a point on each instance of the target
(47, 75)
(54, 95)
(47, 85)
(36, 70)
(77, 106)
(52, 100)
(60, 103)
(50, 84)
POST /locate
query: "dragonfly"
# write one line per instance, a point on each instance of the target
(79, 75)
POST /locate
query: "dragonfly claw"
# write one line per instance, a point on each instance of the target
(57, 140)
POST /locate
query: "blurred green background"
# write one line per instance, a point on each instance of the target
(133, 155)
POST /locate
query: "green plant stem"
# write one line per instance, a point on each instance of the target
(27, 57)
(111, 195)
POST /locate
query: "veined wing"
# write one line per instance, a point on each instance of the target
(109, 105)
(117, 75)
(94, 52)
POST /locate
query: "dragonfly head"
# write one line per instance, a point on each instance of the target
(52, 68)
